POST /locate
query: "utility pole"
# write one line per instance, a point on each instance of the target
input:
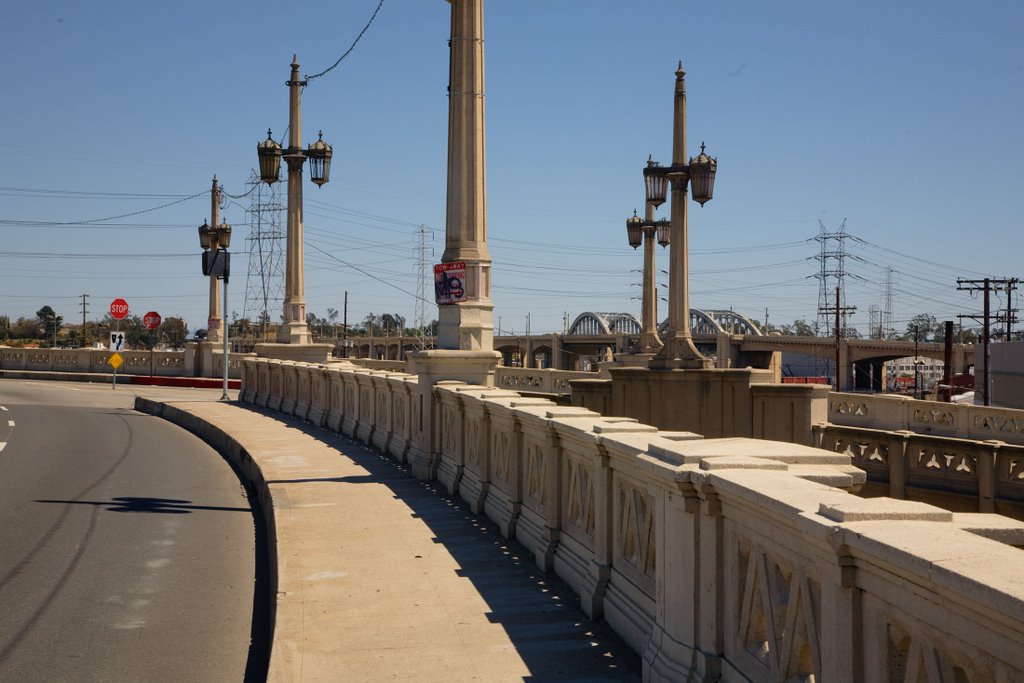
(986, 286)
(344, 324)
(85, 306)
(840, 312)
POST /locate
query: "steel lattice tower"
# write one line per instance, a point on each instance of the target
(424, 254)
(831, 275)
(264, 286)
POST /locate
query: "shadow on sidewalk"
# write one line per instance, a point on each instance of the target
(539, 612)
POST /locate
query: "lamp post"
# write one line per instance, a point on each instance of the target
(294, 330)
(215, 241)
(214, 322)
(679, 350)
(644, 231)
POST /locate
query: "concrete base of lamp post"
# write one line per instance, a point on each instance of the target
(715, 403)
(304, 353)
(431, 367)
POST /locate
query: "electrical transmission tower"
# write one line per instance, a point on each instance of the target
(831, 278)
(424, 257)
(875, 325)
(264, 286)
(887, 329)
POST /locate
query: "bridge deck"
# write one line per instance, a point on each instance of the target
(381, 577)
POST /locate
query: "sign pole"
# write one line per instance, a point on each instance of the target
(118, 310)
(113, 386)
(224, 322)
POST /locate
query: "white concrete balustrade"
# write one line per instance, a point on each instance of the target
(187, 363)
(721, 559)
(960, 420)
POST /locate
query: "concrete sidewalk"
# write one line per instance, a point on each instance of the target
(380, 576)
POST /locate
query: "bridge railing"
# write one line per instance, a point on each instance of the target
(990, 471)
(722, 558)
(891, 412)
(160, 363)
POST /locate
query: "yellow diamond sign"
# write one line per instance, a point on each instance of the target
(115, 360)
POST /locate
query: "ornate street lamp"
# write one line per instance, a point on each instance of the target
(295, 329)
(319, 155)
(643, 231)
(679, 350)
(269, 152)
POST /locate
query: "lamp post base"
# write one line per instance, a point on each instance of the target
(294, 333)
(679, 353)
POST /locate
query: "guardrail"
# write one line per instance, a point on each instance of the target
(731, 559)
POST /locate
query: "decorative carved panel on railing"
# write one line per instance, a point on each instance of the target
(635, 543)
(472, 446)
(449, 430)
(535, 474)
(500, 454)
(779, 623)
(580, 499)
(398, 411)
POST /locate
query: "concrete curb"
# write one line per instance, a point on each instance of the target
(253, 478)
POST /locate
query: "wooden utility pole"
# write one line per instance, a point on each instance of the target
(839, 311)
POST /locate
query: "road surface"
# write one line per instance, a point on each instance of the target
(127, 545)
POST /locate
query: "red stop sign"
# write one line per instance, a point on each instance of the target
(118, 309)
(152, 320)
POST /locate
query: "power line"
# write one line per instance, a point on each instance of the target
(352, 47)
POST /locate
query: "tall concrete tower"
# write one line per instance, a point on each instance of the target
(465, 338)
(469, 325)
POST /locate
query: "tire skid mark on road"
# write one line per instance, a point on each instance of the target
(17, 569)
(57, 586)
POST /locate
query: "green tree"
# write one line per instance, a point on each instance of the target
(332, 316)
(922, 327)
(372, 325)
(174, 332)
(51, 323)
(25, 328)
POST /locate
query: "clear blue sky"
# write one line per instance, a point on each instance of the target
(902, 118)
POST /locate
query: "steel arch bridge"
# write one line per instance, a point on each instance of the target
(709, 322)
(590, 323)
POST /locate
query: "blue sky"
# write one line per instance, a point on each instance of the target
(901, 118)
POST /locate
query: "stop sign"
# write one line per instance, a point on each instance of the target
(118, 309)
(152, 320)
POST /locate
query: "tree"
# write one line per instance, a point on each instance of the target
(332, 316)
(802, 328)
(25, 328)
(392, 323)
(5, 327)
(372, 325)
(50, 321)
(922, 327)
(174, 331)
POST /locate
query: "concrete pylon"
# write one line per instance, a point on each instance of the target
(469, 325)
(465, 338)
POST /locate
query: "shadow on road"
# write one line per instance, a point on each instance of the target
(166, 506)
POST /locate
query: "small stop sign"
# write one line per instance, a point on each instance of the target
(152, 320)
(118, 309)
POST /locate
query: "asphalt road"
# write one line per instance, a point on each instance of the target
(127, 545)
